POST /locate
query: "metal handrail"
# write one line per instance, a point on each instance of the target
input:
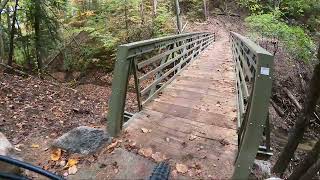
(254, 72)
(154, 64)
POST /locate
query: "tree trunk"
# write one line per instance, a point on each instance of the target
(126, 19)
(205, 10)
(312, 172)
(8, 19)
(179, 25)
(308, 161)
(301, 123)
(12, 33)
(2, 56)
(142, 12)
(154, 7)
(37, 34)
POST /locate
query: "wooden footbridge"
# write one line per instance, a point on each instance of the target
(203, 100)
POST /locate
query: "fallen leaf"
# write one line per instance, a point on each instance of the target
(224, 142)
(192, 137)
(145, 130)
(158, 157)
(111, 147)
(218, 103)
(35, 146)
(181, 168)
(73, 170)
(71, 162)
(146, 152)
(17, 148)
(116, 171)
(45, 167)
(56, 154)
(62, 163)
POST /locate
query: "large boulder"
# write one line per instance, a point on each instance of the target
(6, 149)
(83, 140)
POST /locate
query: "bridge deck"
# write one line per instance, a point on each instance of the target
(193, 120)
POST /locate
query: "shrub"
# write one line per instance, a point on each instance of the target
(295, 40)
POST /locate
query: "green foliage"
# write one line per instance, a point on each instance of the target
(111, 23)
(254, 6)
(303, 12)
(297, 42)
(193, 8)
(26, 39)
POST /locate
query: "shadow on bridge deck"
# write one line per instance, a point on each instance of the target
(193, 121)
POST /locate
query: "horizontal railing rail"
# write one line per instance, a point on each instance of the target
(254, 70)
(153, 64)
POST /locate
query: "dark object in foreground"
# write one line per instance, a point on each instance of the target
(161, 172)
(25, 166)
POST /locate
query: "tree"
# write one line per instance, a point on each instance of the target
(13, 30)
(312, 172)
(302, 122)
(308, 161)
(37, 38)
(154, 7)
(205, 10)
(178, 12)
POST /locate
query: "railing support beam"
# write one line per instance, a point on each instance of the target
(119, 92)
(258, 112)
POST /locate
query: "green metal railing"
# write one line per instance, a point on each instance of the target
(154, 64)
(254, 69)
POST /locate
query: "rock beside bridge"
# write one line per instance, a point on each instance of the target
(263, 167)
(6, 149)
(83, 140)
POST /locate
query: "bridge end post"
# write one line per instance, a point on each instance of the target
(119, 91)
(257, 117)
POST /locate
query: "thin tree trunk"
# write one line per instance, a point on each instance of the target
(179, 25)
(312, 172)
(37, 34)
(142, 12)
(308, 161)
(13, 29)
(126, 19)
(8, 19)
(205, 10)
(154, 15)
(301, 123)
(154, 7)
(2, 56)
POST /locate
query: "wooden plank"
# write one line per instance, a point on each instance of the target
(210, 118)
(200, 105)
(192, 95)
(211, 154)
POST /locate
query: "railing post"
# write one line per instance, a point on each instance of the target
(119, 91)
(258, 111)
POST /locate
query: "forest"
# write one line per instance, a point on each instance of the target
(57, 60)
